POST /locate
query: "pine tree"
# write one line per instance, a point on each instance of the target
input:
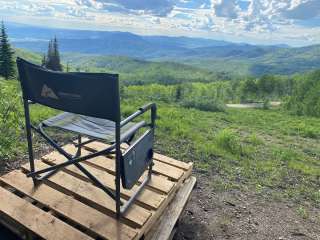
(179, 92)
(7, 69)
(43, 61)
(50, 56)
(53, 56)
(57, 63)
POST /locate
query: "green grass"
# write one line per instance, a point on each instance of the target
(269, 151)
(262, 150)
(247, 148)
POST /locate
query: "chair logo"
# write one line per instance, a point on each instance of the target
(48, 92)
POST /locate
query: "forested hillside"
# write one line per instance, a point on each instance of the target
(212, 55)
(197, 87)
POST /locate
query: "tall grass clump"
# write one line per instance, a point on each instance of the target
(228, 141)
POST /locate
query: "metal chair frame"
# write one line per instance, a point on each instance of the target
(76, 159)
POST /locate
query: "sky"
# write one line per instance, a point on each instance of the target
(293, 22)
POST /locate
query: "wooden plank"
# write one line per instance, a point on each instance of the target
(168, 220)
(173, 162)
(167, 170)
(104, 226)
(94, 196)
(164, 169)
(157, 214)
(158, 183)
(146, 198)
(37, 221)
(96, 146)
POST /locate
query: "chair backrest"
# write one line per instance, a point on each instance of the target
(90, 94)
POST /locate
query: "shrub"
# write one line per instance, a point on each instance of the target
(203, 104)
(228, 141)
(305, 99)
(266, 104)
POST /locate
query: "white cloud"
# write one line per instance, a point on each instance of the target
(265, 21)
(304, 10)
(227, 8)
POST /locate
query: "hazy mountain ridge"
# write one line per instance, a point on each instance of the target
(213, 55)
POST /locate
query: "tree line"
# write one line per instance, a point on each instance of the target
(51, 60)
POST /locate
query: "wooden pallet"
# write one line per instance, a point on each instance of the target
(69, 206)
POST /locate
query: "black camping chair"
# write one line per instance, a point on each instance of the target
(91, 103)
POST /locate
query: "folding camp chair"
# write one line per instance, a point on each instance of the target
(91, 103)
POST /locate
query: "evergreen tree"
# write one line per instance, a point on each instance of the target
(43, 61)
(53, 56)
(179, 92)
(7, 69)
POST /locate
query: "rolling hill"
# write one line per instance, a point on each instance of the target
(211, 55)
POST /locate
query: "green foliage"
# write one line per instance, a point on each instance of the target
(11, 119)
(268, 151)
(280, 61)
(228, 141)
(305, 99)
(266, 85)
(7, 68)
(249, 89)
(140, 72)
(203, 104)
(266, 104)
(30, 56)
(255, 140)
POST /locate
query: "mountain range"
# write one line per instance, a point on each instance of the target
(213, 55)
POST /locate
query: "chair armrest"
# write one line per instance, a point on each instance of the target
(142, 110)
(132, 131)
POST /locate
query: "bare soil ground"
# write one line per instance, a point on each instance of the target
(242, 215)
(252, 105)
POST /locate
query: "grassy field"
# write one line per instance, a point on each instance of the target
(269, 151)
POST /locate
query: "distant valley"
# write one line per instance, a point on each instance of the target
(211, 55)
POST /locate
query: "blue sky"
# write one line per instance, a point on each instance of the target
(294, 22)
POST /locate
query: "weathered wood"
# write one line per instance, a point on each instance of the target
(92, 195)
(96, 146)
(159, 167)
(103, 225)
(159, 183)
(172, 213)
(37, 221)
(146, 198)
(71, 198)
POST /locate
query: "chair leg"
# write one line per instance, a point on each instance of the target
(29, 139)
(126, 206)
(78, 154)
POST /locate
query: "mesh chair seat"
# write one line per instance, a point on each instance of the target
(90, 126)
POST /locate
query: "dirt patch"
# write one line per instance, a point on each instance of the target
(243, 215)
(251, 105)
(40, 148)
